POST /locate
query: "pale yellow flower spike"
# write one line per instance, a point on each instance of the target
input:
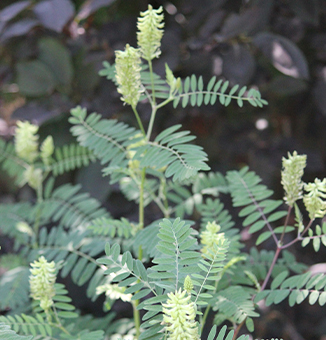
(42, 280)
(127, 66)
(26, 141)
(179, 315)
(315, 206)
(150, 25)
(292, 173)
(211, 236)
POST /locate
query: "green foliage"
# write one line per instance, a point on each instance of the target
(11, 163)
(193, 90)
(13, 288)
(258, 209)
(70, 157)
(296, 288)
(27, 324)
(7, 333)
(108, 139)
(69, 208)
(157, 262)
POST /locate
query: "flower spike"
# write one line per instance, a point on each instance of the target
(150, 26)
(211, 236)
(315, 206)
(128, 75)
(179, 315)
(292, 173)
(42, 280)
(26, 141)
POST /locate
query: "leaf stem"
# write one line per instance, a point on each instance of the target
(139, 121)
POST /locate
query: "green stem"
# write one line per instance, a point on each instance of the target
(153, 103)
(165, 200)
(209, 306)
(136, 317)
(152, 81)
(39, 193)
(139, 121)
(141, 198)
(151, 123)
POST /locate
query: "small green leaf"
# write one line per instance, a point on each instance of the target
(263, 237)
(250, 324)
(316, 244)
(279, 279)
(224, 87)
(313, 297)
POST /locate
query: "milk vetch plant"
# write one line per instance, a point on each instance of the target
(183, 276)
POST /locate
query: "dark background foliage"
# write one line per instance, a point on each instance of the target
(51, 52)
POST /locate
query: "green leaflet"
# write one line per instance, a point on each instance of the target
(193, 91)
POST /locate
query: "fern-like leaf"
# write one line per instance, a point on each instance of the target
(193, 91)
(8, 334)
(70, 157)
(234, 303)
(177, 259)
(107, 138)
(258, 209)
(28, 325)
(170, 150)
(66, 206)
(112, 228)
(296, 288)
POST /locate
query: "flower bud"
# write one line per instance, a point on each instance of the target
(188, 285)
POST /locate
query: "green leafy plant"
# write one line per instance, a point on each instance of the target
(173, 272)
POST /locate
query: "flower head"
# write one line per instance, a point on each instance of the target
(42, 280)
(292, 173)
(316, 191)
(127, 66)
(150, 33)
(211, 236)
(179, 315)
(26, 141)
(114, 292)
